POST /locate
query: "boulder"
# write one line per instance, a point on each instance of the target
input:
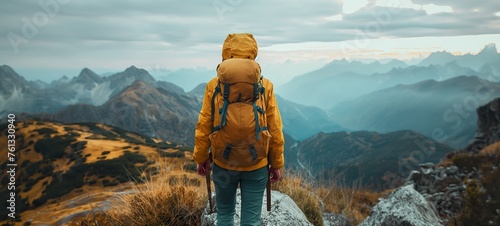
(284, 211)
(404, 206)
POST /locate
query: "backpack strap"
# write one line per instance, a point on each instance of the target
(259, 94)
(216, 92)
(262, 91)
(224, 106)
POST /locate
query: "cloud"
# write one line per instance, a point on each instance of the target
(184, 24)
(117, 33)
(431, 9)
(353, 5)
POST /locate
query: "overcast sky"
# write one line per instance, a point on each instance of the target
(47, 38)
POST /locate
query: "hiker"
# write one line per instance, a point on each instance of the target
(240, 124)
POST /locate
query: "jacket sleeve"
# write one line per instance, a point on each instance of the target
(275, 127)
(203, 127)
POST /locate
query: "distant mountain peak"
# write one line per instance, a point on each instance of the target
(10, 80)
(88, 78)
(138, 73)
(7, 69)
(490, 49)
(134, 69)
(86, 72)
(7, 72)
(440, 54)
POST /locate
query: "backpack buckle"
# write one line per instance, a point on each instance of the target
(226, 151)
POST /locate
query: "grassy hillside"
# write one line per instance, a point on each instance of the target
(59, 164)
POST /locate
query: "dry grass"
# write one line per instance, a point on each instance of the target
(491, 150)
(302, 194)
(172, 205)
(171, 199)
(157, 201)
(355, 204)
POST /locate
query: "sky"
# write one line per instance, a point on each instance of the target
(46, 39)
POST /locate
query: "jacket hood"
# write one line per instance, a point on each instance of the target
(239, 46)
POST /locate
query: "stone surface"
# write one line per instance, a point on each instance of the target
(443, 186)
(333, 219)
(403, 207)
(284, 212)
(488, 126)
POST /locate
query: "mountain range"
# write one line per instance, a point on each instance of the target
(443, 110)
(365, 159)
(153, 112)
(343, 80)
(488, 55)
(132, 100)
(433, 99)
(424, 97)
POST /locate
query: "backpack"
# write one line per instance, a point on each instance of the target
(239, 137)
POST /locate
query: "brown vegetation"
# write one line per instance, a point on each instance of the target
(481, 195)
(302, 194)
(166, 199)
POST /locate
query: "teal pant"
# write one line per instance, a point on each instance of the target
(252, 185)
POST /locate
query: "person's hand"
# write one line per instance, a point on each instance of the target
(204, 168)
(274, 174)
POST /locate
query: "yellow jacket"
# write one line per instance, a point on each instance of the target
(240, 46)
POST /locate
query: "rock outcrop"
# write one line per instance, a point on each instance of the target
(442, 186)
(284, 212)
(488, 126)
(403, 207)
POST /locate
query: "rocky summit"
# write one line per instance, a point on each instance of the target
(284, 212)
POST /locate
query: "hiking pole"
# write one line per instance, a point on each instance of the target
(268, 191)
(209, 188)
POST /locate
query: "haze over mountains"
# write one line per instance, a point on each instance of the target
(443, 110)
(131, 100)
(343, 80)
(435, 99)
(426, 97)
(154, 112)
(350, 92)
